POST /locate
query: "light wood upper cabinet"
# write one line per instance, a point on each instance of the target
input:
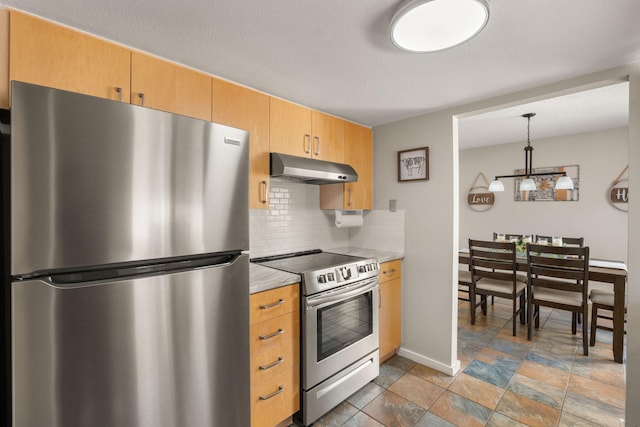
(47, 54)
(165, 86)
(327, 142)
(302, 132)
(290, 128)
(358, 152)
(243, 108)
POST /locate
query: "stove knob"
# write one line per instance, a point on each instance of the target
(331, 277)
(362, 269)
(322, 278)
(368, 267)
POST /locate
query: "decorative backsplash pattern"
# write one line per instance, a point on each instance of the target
(294, 222)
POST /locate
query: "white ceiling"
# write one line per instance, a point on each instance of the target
(588, 111)
(336, 56)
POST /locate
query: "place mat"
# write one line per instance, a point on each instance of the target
(608, 264)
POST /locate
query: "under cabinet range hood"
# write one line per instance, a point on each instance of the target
(311, 171)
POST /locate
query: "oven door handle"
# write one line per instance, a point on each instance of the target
(342, 294)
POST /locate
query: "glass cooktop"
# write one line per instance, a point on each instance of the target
(307, 262)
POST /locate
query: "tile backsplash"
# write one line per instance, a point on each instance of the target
(295, 222)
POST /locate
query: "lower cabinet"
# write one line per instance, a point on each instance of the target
(275, 355)
(390, 314)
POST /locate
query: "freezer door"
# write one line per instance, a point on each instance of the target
(95, 181)
(162, 351)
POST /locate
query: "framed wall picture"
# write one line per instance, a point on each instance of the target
(545, 185)
(413, 165)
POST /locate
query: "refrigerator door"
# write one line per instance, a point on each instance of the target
(160, 351)
(95, 181)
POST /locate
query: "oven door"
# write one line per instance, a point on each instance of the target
(341, 327)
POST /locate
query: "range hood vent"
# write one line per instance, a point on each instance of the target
(311, 171)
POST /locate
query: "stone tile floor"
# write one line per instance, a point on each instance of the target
(503, 380)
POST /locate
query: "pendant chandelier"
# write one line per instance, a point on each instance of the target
(528, 184)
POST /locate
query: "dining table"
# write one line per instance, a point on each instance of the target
(612, 272)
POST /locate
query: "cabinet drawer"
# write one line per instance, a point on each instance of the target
(390, 270)
(276, 398)
(275, 332)
(274, 360)
(276, 302)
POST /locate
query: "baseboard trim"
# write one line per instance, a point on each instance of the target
(433, 364)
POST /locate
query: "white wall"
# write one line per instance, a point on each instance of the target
(601, 157)
(431, 215)
(428, 322)
(632, 408)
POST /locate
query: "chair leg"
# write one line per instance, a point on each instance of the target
(574, 321)
(523, 310)
(529, 319)
(484, 304)
(585, 335)
(472, 303)
(513, 316)
(594, 321)
(536, 314)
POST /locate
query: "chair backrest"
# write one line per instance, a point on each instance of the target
(494, 260)
(569, 241)
(563, 268)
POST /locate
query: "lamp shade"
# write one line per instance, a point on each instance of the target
(527, 185)
(495, 186)
(564, 183)
(433, 25)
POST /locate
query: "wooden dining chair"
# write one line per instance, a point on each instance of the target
(464, 283)
(493, 273)
(558, 278)
(601, 300)
(567, 241)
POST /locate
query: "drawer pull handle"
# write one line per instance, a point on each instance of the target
(275, 393)
(275, 334)
(272, 364)
(266, 306)
(393, 270)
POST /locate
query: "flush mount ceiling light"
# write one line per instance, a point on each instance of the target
(528, 184)
(433, 25)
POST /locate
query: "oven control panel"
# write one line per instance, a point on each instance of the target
(321, 280)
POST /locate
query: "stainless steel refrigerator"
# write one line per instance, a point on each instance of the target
(125, 279)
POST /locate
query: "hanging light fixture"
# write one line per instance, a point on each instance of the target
(528, 184)
(433, 25)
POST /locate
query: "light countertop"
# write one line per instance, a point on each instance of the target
(265, 278)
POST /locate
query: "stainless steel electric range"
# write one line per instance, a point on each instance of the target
(339, 317)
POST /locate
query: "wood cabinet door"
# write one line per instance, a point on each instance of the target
(390, 317)
(47, 54)
(290, 128)
(358, 152)
(165, 86)
(243, 108)
(327, 137)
